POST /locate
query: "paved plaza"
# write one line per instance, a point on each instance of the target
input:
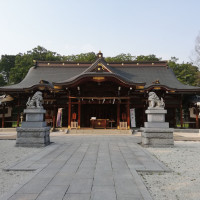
(87, 167)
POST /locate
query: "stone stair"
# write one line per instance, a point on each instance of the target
(99, 131)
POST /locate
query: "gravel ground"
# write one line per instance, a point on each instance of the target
(9, 155)
(184, 180)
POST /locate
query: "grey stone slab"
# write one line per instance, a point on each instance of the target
(35, 186)
(126, 186)
(165, 135)
(103, 192)
(32, 129)
(80, 186)
(68, 169)
(31, 140)
(53, 192)
(156, 117)
(106, 172)
(23, 197)
(35, 110)
(84, 173)
(103, 180)
(34, 117)
(47, 173)
(155, 111)
(77, 197)
(61, 180)
(88, 164)
(129, 197)
(35, 124)
(156, 124)
(57, 164)
(69, 166)
(157, 142)
(157, 130)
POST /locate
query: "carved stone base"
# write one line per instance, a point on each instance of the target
(33, 137)
(156, 132)
(33, 132)
(157, 137)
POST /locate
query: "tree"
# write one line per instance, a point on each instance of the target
(23, 62)
(150, 57)
(186, 73)
(197, 51)
(7, 62)
(2, 81)
(83, 57)
(120, 58)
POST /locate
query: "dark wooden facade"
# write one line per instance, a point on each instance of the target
(103, 90)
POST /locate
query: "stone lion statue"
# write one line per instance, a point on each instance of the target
(35, 101)
(154, 101)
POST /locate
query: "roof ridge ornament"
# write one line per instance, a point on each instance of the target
(100, 55)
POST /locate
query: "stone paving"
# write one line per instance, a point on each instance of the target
(87, 167)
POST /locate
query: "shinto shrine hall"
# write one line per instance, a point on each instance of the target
(100, 94)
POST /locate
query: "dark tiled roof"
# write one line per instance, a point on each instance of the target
(144, 73)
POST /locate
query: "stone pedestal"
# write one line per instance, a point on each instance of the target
(156, 132)
(33, 132)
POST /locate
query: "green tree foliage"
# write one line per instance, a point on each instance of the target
(2, 81)
(186, 73)
(150, 57)
(7, 62)
(23, 62)
(120, 58)
(83, 57)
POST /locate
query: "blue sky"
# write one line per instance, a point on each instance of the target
(162, 27)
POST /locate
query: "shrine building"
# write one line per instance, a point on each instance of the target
(100, 94)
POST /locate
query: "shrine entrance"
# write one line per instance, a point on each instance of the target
(105, 113)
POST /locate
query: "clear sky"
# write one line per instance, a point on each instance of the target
(162, 27)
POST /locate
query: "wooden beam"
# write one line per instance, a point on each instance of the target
(118, 114)
(197, 117)
(174, 116)
(3, 116)
(98, 98)
(128, 114)
(69, 114)
(18, 112)
(79, 114)
(181, 112)
(54, 117)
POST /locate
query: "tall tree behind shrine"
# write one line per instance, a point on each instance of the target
(13, 68)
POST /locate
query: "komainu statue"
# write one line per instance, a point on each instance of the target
(35, 101)
(154, 101)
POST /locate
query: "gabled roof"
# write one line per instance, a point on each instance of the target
(148, 74)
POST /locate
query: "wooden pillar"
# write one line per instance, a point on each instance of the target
(69, 113)
(128, 114)
(79, 114)
(174, 116)
(18, 118)
(181, 113)
(3, 116)
(54, 117)
(18, 113)
(197, 117)
(118, 114)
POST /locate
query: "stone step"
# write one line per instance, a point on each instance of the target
(99, 131)
(7, 129)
